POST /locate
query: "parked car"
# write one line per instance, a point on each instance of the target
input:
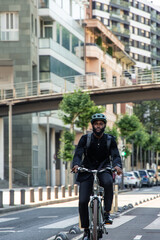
(146, 179)
(131, 179)
(153, 174)
(139, 177)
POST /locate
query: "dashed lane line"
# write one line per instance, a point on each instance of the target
(138, 237)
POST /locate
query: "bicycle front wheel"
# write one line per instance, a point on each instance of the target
(95, 219)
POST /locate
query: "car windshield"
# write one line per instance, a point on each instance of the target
(142, 173)
(127, 174)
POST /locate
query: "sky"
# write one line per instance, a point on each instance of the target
(156, 2)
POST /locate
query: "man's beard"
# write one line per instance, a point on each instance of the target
(98, 134)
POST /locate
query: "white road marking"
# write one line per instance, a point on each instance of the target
(154, 225)
(119, 221)
(48, 217)
(10, 231)
(7, 219)
(62, 224)
(138, 237)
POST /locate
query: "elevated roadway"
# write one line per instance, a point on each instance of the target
(100, 96)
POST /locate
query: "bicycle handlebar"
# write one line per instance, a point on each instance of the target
(82, 169)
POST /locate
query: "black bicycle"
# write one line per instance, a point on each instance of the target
(96, 206)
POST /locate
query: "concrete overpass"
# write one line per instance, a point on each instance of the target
(100, 96)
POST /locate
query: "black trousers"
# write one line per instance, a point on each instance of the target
(85, 190)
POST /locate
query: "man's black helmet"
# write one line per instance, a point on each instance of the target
(98, 117)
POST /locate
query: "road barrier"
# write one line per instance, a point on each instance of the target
(31, 195)
(48, 193)
(11, 202)
(40, 193)
(63, 191)
(23, 196)
(1, 199)
(34, 195)
(56, 192)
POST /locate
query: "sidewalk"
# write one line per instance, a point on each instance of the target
(124, 199)
(37, 202)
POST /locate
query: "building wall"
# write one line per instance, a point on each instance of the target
(24, 51)
(22, 145)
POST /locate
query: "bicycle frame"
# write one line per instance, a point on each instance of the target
(96, 207)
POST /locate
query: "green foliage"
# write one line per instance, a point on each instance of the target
(74, 104)
(149, 114)
(139, 137)
(128, 124)
(113, 131)
(77, 109)
(67, 147)
(110, 51)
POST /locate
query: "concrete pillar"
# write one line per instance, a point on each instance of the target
(11, 202)
(48, 193)
(23, 196)
(40, 191)
(56, 192)
(1, 199)
(31, 194)
(63, 191)
(69, 190)
(1, 149)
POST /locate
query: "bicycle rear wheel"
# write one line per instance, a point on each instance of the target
(95, 219)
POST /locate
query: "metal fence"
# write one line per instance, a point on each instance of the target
(89, 81)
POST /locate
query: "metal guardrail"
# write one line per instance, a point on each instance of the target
(20, 173)
(68, 84)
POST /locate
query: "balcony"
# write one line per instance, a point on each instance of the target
(47, 44)
(48, 9)
(89, 81)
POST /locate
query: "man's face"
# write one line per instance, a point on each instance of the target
(98, 125)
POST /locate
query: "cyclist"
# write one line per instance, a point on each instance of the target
(95, 156)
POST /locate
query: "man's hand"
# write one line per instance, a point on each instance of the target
(75, 169)
(119, 170)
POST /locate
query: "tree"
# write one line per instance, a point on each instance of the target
(112, 131)
(148, 113)
(128, 124)
(73, 106)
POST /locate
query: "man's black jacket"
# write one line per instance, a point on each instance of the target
(96, 156)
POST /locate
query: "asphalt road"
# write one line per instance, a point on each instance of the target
(43, 223)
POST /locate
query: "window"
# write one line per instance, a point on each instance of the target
(105, 8)
(9, 23)
(115, 108)
(98, 5)
(114, 81)
(105, 21)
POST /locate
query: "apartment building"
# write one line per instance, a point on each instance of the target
(37, 45)
(136, 23)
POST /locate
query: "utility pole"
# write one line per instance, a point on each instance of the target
(10, 143)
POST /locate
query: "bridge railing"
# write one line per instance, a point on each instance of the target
(89, 81)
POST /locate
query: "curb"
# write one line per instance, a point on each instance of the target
(39, 204)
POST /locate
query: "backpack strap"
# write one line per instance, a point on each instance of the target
(109, 137)
(89, 135)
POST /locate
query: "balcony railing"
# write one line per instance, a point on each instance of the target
(48, 43)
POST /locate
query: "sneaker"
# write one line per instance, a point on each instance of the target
(86, 235)
(107, 218)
